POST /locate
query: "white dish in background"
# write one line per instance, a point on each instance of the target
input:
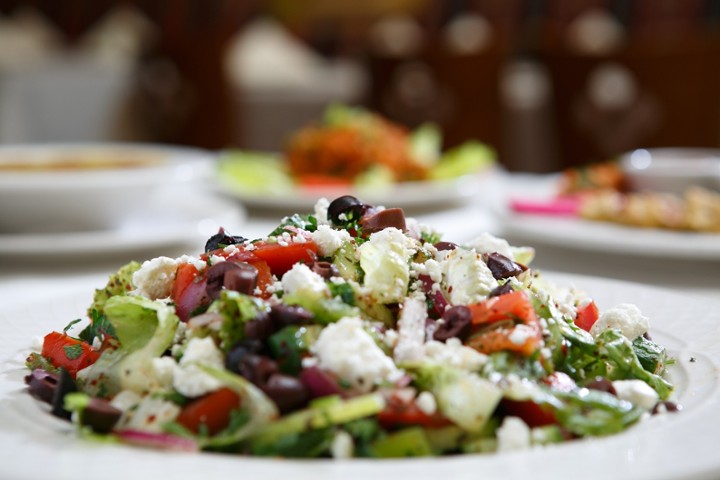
(51, 188)
(605, 237)
(171, 217)
(672, 170)
(676, 446)
(424, 194)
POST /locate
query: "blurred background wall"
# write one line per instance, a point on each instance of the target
(549, 84)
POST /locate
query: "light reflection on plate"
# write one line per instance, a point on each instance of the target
(675, 446)
(174, 217)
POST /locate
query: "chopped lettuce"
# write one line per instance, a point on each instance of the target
(120, 283)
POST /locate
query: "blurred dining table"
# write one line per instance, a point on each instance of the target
(26, 279)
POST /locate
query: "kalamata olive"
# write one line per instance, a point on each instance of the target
(221, 240)
(215, 278)
(326, 270)
(455, 323)
(288, 393)
(666, 407)
(501, 290)
(260, 327)
(243, 279)
(445, 246)
(377, 221)
(100, 415)
(601, 384)
(66, 385)
(284, 315)
(238, 351)
(438, 302)
(258, 368)
(502, 267)
(345, 208)
(42, 385)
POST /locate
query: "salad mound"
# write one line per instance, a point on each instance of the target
(350, 332)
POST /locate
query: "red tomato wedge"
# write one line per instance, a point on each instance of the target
(511, 306)
(530, 412)
(280, 258)
(185, 274)
(587, 316)
(66, 352)
(522, 334)
(213, 410)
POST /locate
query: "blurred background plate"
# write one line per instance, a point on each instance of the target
(180, 218)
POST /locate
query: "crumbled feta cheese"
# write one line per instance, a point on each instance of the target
(155, 278)
(487, 243)
(320, 209)
(301, 278)
(467, 278)
(431, 268)
(636, 392)
(513, 434)
(329, 240)
(345, 348)
(164, 369)
(188, 379)
(342, 445)
(626, 317)
(196, 262)
(455, 354)
(215, 259)
(521, 333)
(125, 400)
(150, 415)
(411, 331)
(426, 402)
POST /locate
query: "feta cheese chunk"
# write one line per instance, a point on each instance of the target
(411, 331)
(329, 240)
(454, 353)
(321, 209)
(301, 278)
(636, 392)
(190, 380)
(155, 278)
(487, 243)
(346, 349)
(513, 434)
(467, 278)
(625, 317)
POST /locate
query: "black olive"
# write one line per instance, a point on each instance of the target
(243, 279)
(100, 415)
(284, 315)
(42, 385)
(501, 290)
(238, 352)
(288, 393)
(258, 368)
(445, 246)
(260, 327)
(502, 267)
(326, 270)
(456, 322)
(601, 384)
(346, 206)
(221, 240)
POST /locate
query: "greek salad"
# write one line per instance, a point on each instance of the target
(353, 331)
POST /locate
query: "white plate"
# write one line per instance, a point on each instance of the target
(36, 446)
(426, 194)
(580, 234)
(606, 237)
(172, 217)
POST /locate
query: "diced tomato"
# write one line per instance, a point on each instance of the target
(213, 410)
(587, 316)
(402, 415)
(530, 412)
(185, 274)
(280, 258)
(511, 306)
(264, 279)
(66, 352)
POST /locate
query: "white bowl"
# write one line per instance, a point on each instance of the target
(672, 170)
(86, 187)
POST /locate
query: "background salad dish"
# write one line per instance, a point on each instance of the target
(351, 332)
(352, 149)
